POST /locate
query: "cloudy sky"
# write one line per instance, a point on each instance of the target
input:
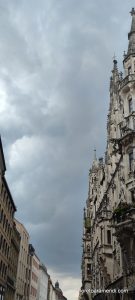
(55, 65)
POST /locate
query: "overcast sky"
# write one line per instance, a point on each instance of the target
(55, 65)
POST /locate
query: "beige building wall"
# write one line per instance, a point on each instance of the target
(21, 286)
(34, 276)
(7, 210)
(13, 264)
(42, 283)
(50, 290)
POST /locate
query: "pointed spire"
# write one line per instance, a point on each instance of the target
(115, 74)
(115, 64)
(131, 35)
(95, 161)
(115, 67)
(84, 213)
(95, 154)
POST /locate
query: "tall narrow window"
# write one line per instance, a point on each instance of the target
(133, 196)
(88, 269)
(95, 204)
(130, 104)
(129, 70)
(109, 237)
(133, 123)
(131, 160)
(88, 248)
(101, 235)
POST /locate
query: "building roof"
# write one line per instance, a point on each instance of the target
(57, 287)
(9, 193)
(2, 158)
(43, 267)
(17, 221)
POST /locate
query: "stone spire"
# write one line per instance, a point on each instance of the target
(131, 35)
(95, 154)
(95, 158)
(114, 78)
(115, 70)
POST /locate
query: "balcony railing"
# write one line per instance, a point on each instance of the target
(128, 78)
(105, 249)
(105, 214)
(128, 124)
(122, 217)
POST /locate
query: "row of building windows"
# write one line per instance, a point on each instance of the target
(25, 238)
(35, 264)
(3, 269)
(22, 269)
(109, 238)
(4, 246)
(27, 274)
(5, 198)
(5, 223)
(33, 292)
(130, 105)
(24, 254)
(34, 277)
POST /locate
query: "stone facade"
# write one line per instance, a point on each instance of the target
(42, 283)
(55, 293)
(21, 284)
(33, 262)
(7, 210)
(58, 292)
(108, 260)
(50, 289)
(13, 264)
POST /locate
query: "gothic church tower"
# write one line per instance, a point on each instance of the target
(108, 258)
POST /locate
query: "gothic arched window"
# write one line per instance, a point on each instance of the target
(130, 105)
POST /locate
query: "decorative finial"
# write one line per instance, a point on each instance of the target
(132, 11)
(115, 61)
(124, 54)
(95, 154)
(121, 75)
(114, 57)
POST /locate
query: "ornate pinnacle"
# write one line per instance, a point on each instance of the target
(95, 156)
(132, 11)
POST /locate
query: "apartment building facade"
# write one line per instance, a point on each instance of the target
(7, 210)
(22, 284)
(42, 283)
(54, 292)
(33, 273)
(13, 264)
